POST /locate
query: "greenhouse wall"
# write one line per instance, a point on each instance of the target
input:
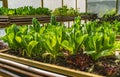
(51, 4)
(101, 7)
(69, 3)
(20, 3)
(81, 5)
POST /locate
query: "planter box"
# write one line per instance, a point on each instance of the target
(23, 20)
(48, 67)
(4, 21)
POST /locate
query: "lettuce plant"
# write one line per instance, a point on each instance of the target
(10, 36)
(100, 41)
(47, 42)
(51, 41)
(75, 37)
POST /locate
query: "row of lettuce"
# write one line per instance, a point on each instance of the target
(29, 10)
(55, 40)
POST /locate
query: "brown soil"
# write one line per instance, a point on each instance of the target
(2, 46)
(108, 66)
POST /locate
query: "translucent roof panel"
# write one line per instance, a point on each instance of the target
(119, 6)
(100, 6)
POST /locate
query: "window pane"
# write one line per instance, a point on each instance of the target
(1, 3)
(100, 6)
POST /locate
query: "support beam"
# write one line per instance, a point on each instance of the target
(86, 6)
(76, 7)
(5, 3)
(117, 6)
(62, 3)
(42, 3)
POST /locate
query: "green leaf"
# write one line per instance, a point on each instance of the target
(103, 53)
(36, 24)
(67, 45)
(18, 39)
(90, 52)
(11, 37)
(46, 54)
(31, 46)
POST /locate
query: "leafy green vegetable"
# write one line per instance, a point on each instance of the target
(100, 40)
(26, 10)
(65, 11)
(75, 37)
(53, 40)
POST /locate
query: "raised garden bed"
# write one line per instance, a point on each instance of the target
(86, 47)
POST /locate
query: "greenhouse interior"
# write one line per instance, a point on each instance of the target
(59, 38)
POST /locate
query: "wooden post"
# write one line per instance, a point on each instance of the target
(76, 4)
(86, 6)
(5, 3)
(62, 3)
(117, 6)
(85, 9)
(42, 3)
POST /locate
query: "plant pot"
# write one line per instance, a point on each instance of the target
(48, 67)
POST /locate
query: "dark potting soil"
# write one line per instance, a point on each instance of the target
(3, 45)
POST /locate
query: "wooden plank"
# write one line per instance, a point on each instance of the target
(3, 16)
(49, 67)
(4, 75)
(27, 16)
(4, 50)
(22, 20)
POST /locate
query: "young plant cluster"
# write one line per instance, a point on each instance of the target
(54, 40)
(65, 11)
(81, 46)
(26, 10)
